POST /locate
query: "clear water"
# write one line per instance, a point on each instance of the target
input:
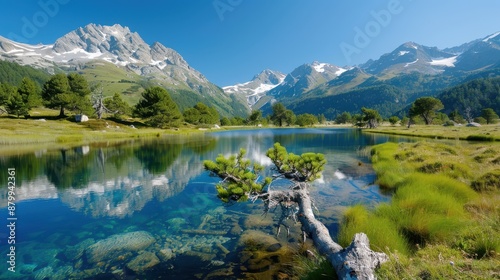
(68, 200)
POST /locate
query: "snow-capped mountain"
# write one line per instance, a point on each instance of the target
(128, 59)
(411, 57)
(258, 86)
(409, 71)
(306, 77)
(114, 44)
(481, 54)
(269, 85)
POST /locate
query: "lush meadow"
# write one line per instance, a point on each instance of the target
(444, 218)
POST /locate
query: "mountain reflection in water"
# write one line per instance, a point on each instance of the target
(157, 190)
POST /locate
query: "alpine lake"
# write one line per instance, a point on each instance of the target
(147, 209)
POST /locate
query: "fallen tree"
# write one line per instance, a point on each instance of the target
(240, 182)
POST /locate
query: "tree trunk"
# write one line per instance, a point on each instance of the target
(356, 261)
(61, 112)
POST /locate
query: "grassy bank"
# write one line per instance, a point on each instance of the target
(484, 133)
(44, 129)
(444, 219)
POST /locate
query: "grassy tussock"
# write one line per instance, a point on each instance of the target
(383, 231)
(435, 215)
(438, 261)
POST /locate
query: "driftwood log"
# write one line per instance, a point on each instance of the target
(357, 261)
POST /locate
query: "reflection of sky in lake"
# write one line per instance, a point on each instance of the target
(65, 196)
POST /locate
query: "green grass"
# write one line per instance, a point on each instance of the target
(489, 132)
(438, 261)
(433, 208)
(111, 78)
(44, 129)
(382, 231)
(488, 182)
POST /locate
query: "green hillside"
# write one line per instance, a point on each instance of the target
(12, 73)
(130, 85)
(383, 98)
(477, 95)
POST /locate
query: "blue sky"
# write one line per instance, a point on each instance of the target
(229, 41)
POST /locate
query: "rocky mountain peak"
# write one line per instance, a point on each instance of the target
(269, 77)
(116, 42)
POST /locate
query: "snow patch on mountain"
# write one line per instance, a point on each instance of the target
(320, 68)
(255, 89)
(410, 63)
(491, 37)
(263, 88)
(448, 62)
(340, 71)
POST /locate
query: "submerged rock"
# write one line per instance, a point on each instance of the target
(143, 262)
(111, 248)
(176, 223)
(256, 239)
(75, 252)
(166, 254)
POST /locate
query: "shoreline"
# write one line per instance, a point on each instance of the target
(17, 135)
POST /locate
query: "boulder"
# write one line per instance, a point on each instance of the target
(473, 124)
(113, 247)
(81, 118)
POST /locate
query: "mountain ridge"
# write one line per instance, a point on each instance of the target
(437, 69)
(92, 50)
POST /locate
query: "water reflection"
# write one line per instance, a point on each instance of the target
(118, 180)
(159, 186)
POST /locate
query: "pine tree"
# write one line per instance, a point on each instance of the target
(489, 115)
(16, 105)
(371, 117)
(30, 93)
(80, 91)
(56, 93)
(117, 106)
(255, 117)
(426, 107)
(240, 181)
(6, 91)
(279, 114)
(158, 109)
